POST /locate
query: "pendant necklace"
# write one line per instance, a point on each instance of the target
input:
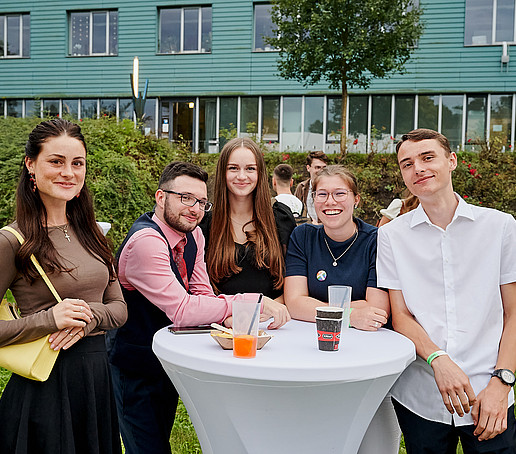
(64, 229)
(341, 255)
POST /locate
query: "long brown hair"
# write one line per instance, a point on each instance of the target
(31, 214)
(410, 202)
(221, 253)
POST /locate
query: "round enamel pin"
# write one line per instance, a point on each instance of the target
(321, 275)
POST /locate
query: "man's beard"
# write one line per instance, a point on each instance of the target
(174, 221)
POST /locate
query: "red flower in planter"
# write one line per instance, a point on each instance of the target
(464, 196)
(472, 171)
(285, 157)
(355, 141)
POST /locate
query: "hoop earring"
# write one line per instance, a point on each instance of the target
(33, 182)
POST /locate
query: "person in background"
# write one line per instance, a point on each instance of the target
(398, 207)
(341, 251)
(164, 279)
(282, 182)
(74, 410)
(246, 235)
(450, 268)
(315, 161)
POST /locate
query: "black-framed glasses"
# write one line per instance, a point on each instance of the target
(339, 195)
(189, 200)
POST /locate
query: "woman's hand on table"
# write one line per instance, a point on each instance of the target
(275, 310)
(72, 313)
(368, 318)
(65, 338)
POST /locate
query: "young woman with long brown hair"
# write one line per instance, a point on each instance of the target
(74, 410)
(246, 235)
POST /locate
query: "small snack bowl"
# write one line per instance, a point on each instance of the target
(225, 340)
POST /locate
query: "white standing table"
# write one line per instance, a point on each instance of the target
(291, 398)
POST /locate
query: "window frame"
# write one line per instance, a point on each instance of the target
(182, 9)
(90, 53)
(494, 19)
(21, 43)
(268, 47)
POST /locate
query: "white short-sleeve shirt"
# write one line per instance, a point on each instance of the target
(450, 281)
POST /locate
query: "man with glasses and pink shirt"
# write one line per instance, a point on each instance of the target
(164, 280)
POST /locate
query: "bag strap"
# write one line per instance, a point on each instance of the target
(36, 264)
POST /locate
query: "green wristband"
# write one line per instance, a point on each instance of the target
(435, 355)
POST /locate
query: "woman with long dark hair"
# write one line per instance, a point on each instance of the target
(246, 235)
(74, 410)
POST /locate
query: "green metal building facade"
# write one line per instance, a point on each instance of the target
(209, 71)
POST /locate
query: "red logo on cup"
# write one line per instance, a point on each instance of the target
(327, 336)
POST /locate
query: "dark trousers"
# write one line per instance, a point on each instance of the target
(146, 411)
(429, 437)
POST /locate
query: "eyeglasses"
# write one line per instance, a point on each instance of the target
(339, 195)
(189, 200)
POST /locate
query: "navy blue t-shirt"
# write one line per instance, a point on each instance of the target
(307, 255)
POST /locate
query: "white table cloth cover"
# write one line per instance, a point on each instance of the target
(291, 398)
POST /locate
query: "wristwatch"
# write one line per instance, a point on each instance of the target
(505, 375)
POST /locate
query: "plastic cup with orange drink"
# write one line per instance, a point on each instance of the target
(246, 316)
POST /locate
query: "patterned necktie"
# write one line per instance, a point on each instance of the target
(180, 261)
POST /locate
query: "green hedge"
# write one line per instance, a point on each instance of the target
(124, 167)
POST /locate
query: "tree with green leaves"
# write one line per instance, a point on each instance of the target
(345, 42)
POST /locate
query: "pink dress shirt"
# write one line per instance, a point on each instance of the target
(144, 265)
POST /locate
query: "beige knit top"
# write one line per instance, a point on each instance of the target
(89, 281)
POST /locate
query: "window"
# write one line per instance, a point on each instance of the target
(501, 113)
(125, 109)
(489, 22)
(358, 107)
(14, 108)
(208, 125)
(381, 117)
(89, 108)
(403, 115)
(94, 33)
(228, 113)
(452, 118)
(14, 35)
(71, 108)
(32, 108)
(270, 119)
(248, 116)
(184, 30)
(428, 112)
(292, 121)
(149, 117)
(476, 110)
(263, 27)
(108, 108)
(334, 119)
(314, 115)
(51, 108)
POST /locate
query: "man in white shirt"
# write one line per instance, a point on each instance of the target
(450, 268)
(282, 182)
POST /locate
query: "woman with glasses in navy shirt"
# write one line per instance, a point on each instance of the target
(341, 251)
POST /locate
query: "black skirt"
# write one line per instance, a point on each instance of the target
(73, 412)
